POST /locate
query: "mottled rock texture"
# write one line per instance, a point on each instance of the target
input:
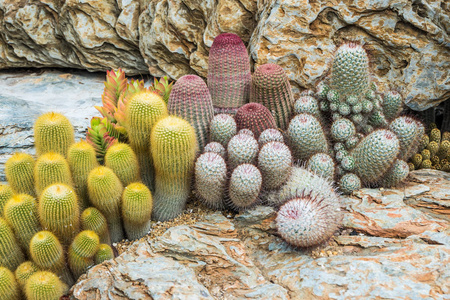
(408, 40)
(394, 245)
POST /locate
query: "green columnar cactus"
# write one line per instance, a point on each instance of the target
(210, 175)
(216, 147)
(396, 174)
(137, 204)
(51, 168)
(44, 285)
(229, 75)
(307, 104)
(222, 128)
(275, 163)
(48, 254)
(24, 272)
(105, 192)
(6, 193)
(21, 214)
(271, 88)
(392, 104)
(9, 288)
(321, 164)
(306, 136)
(59, 211)
(81, 252)
(374, 154)
(435, 135)
(174, 148)
(103, 253)
(407, 131)
(93, 219)
(19, 170)
(245, 186)
(242, 148)
(190, 100)
(143, 111)
(53, 133)
(349, 182)
(255, 117)
(342, 129)
(11, 255)
(123, 161)
(81, 158)
(270, 135)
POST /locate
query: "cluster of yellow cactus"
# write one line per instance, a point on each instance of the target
(434, 151)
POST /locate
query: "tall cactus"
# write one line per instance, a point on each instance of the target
(9, 288)
(51, 168)
(6, 193)
(256, 117)
(53, 132)
(229, 75)
(137, 204)
(123, 161)
(173, 147)
(271, 88)
(11, 255)
(81, 252)
(190, 99)
(19, 170)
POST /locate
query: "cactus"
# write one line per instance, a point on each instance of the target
(48, 254)
(321, 164)
(59, 211)
(44, 285)
(93, 219)
(103, 253)
(216, 148)
(21, 214)
(245, 187)
(255, 117)
(374, 154)
(349, 183)
(210, 175)
(307, 104)
(19, 170)
(396, 174)
(6, 193)
(174, 148)
(123, 161)
(242, 148)
(105, 192)
(24, 272)
(246, 131)
(342, 129)
(433, 147)
(275, 163)
(229, 75)
(407, 132)
(137, 204)
(306, 136)
(190, 100)
(222, 128)
(143, 111)
(270, 135)
(51, 168)
(81, 252)
(81, 159)
(53, 132)
(11, 255)
(435, 135)
(271, 88)
(9, 288)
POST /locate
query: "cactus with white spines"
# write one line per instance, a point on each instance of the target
(275, 163)
(242, 148)
(222, 128)
(270, 135)
(322, 164)
(245, 187)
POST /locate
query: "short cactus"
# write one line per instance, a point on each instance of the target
(137, 204)
(216, 148)
(396, 174)
(349, 182)
(123, 161)
(433, 147)
(271, 88)
(255, 117)
(245, 186)
(270, 135)
(19, 170)
(342, 129)
(407, 132)
(51, 168)
(242, 148)
(321, 164)
(435, 135)
(24, 272)
(190, 99)
(103, 253)
(174, 148)
(53, 132)
(93, 219)
(6, 193)
(210, 177)
(9, 288)
(105, 192)
(81, 252)
(274, 163)
(222, 128)
(229, 75)
(11, 255)
(307, 104)
(246, 131)
(44, 285)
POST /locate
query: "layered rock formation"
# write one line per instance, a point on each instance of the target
(408, 40)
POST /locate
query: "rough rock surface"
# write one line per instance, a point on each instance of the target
(408, 40)
(394, 245)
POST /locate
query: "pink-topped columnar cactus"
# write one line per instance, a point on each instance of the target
(256, 117)
(271, 88)
(229, 75)
(190, 99)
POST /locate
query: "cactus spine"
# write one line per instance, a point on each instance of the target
(190, 100)
(173, 147)
(51, 168)
(123, 161)
(93, 219)
(137, 203)
(44, 285)
(53, 133)
(6, 193)
(11, 255)
(9, 288)
(19, 170)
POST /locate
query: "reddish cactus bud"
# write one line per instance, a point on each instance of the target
(256, 117)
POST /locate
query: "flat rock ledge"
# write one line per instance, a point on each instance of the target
(395, 244)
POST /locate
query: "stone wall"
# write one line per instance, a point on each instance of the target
(408, 40)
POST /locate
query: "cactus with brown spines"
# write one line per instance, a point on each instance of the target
(190, 99)
(53, 132)
(229, 75)
(255, 117)
(137, 204)
(6, 193)
(11, 255)
(51, 168)
(92, 219)
(123, 161)
(271, 88)
(19, 170)
(9, 288)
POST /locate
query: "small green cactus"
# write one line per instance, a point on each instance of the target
(103, 253)
(137, 204)
(307, 104)
(9, 288)
(321, 164)
(44, 285)
(435, 135)
(406, 130)
(433, 147)
(24, 272)
(19, 170)
(245, 186)
(81, 252)
(123, 161)
(53, 133)
(222, 128)
(11, 255)
(426, 154)
(392, 104)
(349, 182)
(426, 164)
(342, 129)
(396, 174)
(275, 163)
(51, 168)
(93, 219)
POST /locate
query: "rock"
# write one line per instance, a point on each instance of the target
(244, 258)
(408, 41)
